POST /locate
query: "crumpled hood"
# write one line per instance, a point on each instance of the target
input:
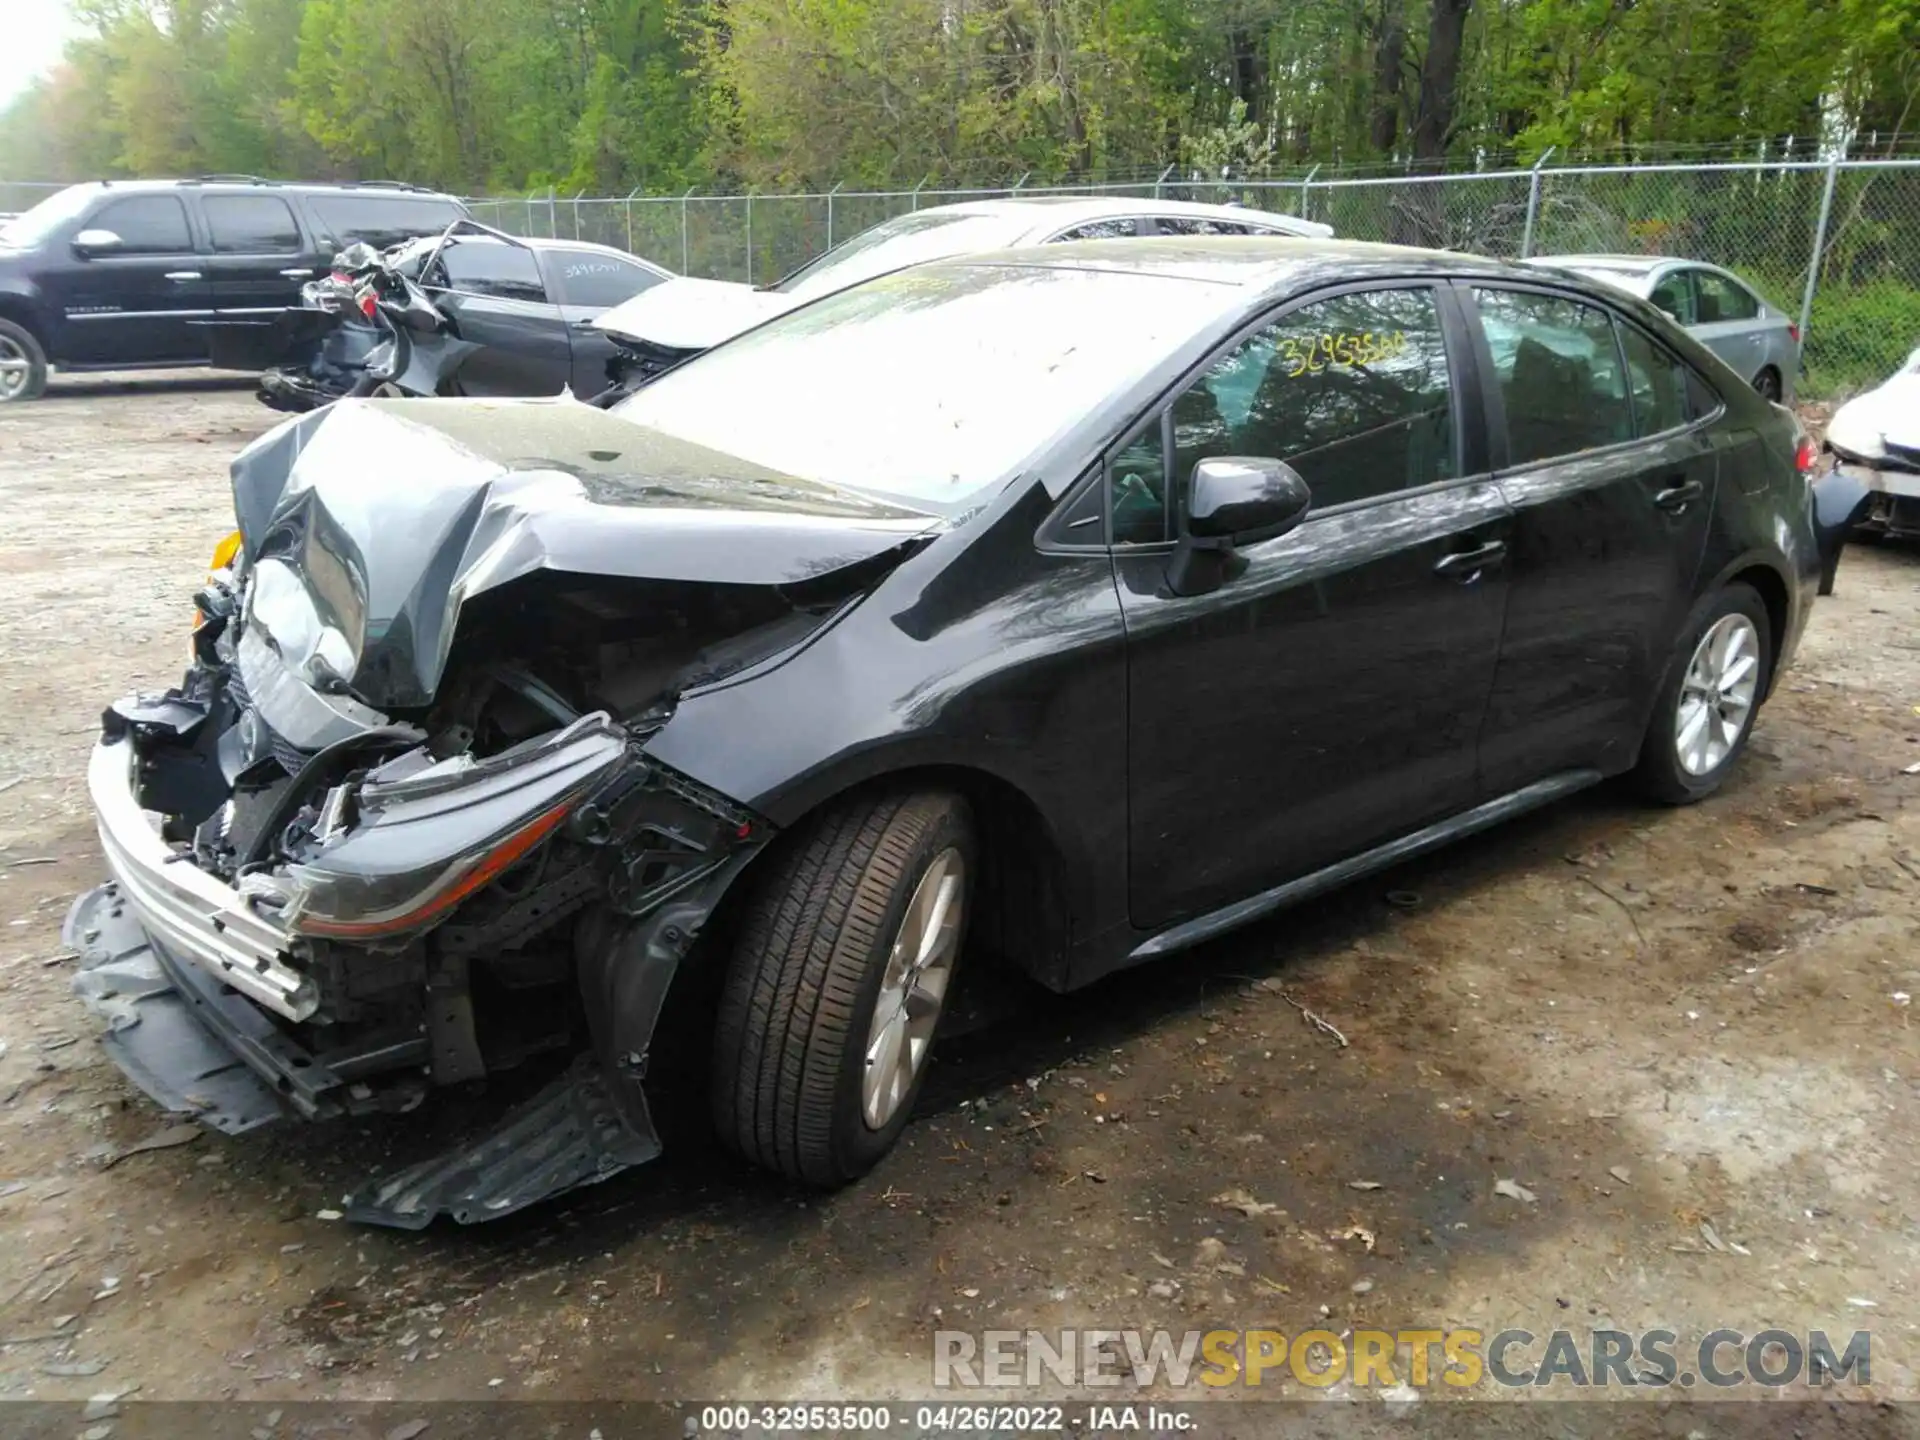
(688, 314)
(391, 513)
(1867, 424)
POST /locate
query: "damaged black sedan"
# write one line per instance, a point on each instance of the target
(1071, 605)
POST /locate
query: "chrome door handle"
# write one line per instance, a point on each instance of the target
(183, 275)
(1677, 498)
(298, 272)
(1466, 566)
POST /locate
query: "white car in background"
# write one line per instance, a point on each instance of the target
(682, 317)
(1875, 439)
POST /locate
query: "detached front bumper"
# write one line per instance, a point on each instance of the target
(193, 914)
(216, 1004)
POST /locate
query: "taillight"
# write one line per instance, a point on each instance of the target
(366, 305)
(1804, 457)
(1794, 331)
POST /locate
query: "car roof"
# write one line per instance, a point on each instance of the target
(1632, 264)
(243, 184)
(1070, 209)
(1256, 262)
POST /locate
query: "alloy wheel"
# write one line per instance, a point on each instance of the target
(15, 368)
(913, 990)
(1717, 695)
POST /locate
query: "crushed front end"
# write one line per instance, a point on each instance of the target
(317, 909)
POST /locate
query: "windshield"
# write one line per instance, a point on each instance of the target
(927, 384)
(32, 228)
(894, 244)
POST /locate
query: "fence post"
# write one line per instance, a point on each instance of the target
(1306, 204)
(685, 263)
(1025, 175)
(830, 194)
(576, 211)
(1819, 248)
(630, 194)
(553, 216)
(1533, 202)
(916, 194)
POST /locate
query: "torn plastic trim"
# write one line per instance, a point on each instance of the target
(400, 848)
(593, 1121)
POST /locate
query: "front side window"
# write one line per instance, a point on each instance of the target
(1116, 229)
(251, 225)
(1558, 370)
(598, 281)
(1720, 299)
(1353, 392)
(146, 225)
(490, 267)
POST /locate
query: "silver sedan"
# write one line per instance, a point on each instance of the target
(1719, 310)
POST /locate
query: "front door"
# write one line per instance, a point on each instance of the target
(135, 301)
(1328, 696)
(1612, 478)
(496, 297)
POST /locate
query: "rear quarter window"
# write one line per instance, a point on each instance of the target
(381, 220)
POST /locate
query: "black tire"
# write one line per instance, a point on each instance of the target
(17, 342)
(1767, 384)
(1660, 774)
(804, 978)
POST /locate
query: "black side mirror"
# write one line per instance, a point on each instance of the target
(1233, 499)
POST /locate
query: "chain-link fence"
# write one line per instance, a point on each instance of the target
(1835, 244)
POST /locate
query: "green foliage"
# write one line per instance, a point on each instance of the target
(612, 95)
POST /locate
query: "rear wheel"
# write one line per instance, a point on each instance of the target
(836, 986)
(1767, 383)
(1707, 705)
(23, 364)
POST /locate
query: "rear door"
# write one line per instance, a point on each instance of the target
(133, 302)
(260, 255)
(1328, 696)
(497, 298)
(587, 283)
(1611, 469)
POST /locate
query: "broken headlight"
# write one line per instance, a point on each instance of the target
(398, 850)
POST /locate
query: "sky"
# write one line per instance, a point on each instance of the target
(36, 31)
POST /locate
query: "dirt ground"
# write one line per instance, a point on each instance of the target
(1686, 1033)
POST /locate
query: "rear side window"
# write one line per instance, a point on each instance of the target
(1718, 299)
(146, 224)
(1674, 295)
(1122, 229)
(490, 267)
(1194, 225)
(1353, 392)
(251, 224)
(596, 281)
(1657, 383)
(381, 220)
(1558, 370)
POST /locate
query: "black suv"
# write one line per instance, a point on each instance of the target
(118, 275)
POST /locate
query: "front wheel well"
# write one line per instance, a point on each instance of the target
(18, 311)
